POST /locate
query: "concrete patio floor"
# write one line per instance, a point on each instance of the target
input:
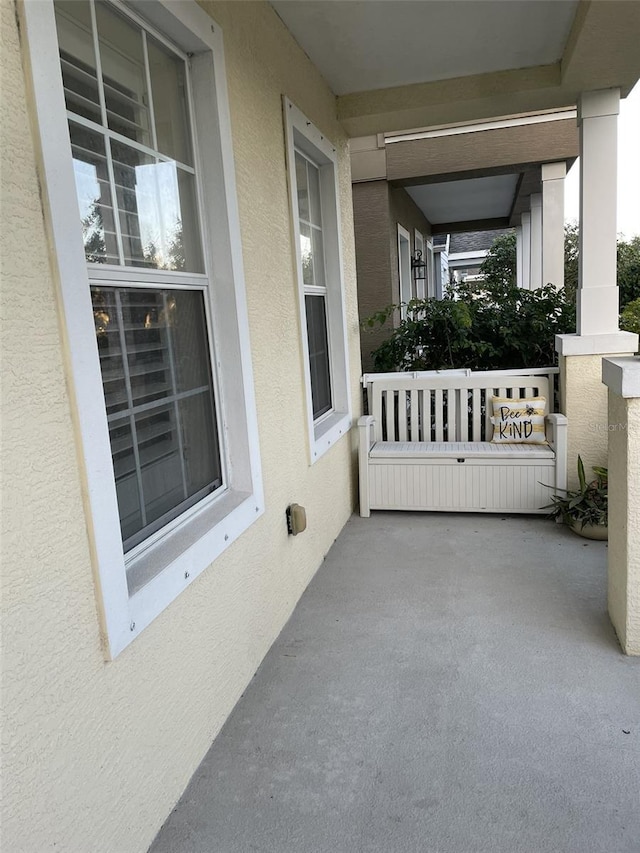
(447, 684)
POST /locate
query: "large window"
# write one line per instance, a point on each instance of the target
(137, 122)
(316, 227)
(127, 99)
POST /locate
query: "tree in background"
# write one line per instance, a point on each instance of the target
(500, 265)
(628, 265)
(494, 324)
(571, 254)
(629, 270)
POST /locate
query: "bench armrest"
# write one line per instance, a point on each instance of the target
(365, 440)
(365, 430)
(366, 420)
(557, 438)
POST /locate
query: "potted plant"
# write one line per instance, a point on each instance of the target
(585, 509)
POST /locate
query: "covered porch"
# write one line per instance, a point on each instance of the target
(447, 683)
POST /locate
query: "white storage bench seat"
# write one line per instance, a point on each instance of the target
(427, 444)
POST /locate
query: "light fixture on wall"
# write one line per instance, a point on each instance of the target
(418, 266)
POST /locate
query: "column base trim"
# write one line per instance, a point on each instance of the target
(614, 343)
(622, 375)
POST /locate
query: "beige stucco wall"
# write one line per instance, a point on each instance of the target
(96, 754)
(624, 521)
(583, 399)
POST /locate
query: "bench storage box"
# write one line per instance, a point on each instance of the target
(427, 445)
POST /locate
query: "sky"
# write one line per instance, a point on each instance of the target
(628, 170)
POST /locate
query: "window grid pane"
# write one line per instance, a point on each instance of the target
(156, 223)
(160, 405)
(319, 364)
(314, 281)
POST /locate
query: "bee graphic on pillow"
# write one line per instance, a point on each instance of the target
(530, 410)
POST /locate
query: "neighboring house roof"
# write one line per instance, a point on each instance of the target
(475, 241)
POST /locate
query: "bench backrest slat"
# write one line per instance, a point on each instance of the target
(476, 414)
(451, 414)
(437, 394)
(414, 408)
(391, 403)
(402, 421)
(462, 432)
(446, 407)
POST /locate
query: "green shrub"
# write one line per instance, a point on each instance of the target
(628, 265)
(486, 327)
(494, 324)
(630, 317)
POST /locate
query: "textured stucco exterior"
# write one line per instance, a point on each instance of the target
(378, 209)
(96, 754)
(624, 520)
(583, 399)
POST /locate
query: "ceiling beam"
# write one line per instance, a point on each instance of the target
(601, 52)
(459, 99)
(470, 225)
(497, 151)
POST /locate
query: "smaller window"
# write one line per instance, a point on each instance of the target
(316, 225)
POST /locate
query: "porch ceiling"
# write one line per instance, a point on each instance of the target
(360, 45)
(458, 201)
(397, 65)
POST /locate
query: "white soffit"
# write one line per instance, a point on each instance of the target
(462, 201)
(360, 45)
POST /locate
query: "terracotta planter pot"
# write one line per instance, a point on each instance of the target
(591, 531)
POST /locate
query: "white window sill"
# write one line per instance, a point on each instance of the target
(183, 555)
(329, 431)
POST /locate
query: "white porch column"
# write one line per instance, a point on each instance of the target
(553, 175)
(583, 397)
(519, 255)
(536, 241)
(525, 220)
(598, 294)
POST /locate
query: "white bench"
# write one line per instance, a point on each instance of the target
(427, 444)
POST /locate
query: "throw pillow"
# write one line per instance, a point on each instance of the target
(519, 421)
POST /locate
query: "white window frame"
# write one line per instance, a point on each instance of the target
(301, 134)
(405, 275)
(192, 542)
(431, 272)
(418, 246)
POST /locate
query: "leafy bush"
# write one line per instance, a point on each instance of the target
(588, 504)
(571, 259)
(630, 317)
(500, 265)
(627, 265)
(628, 271)
(494, 324)
(486, 327)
